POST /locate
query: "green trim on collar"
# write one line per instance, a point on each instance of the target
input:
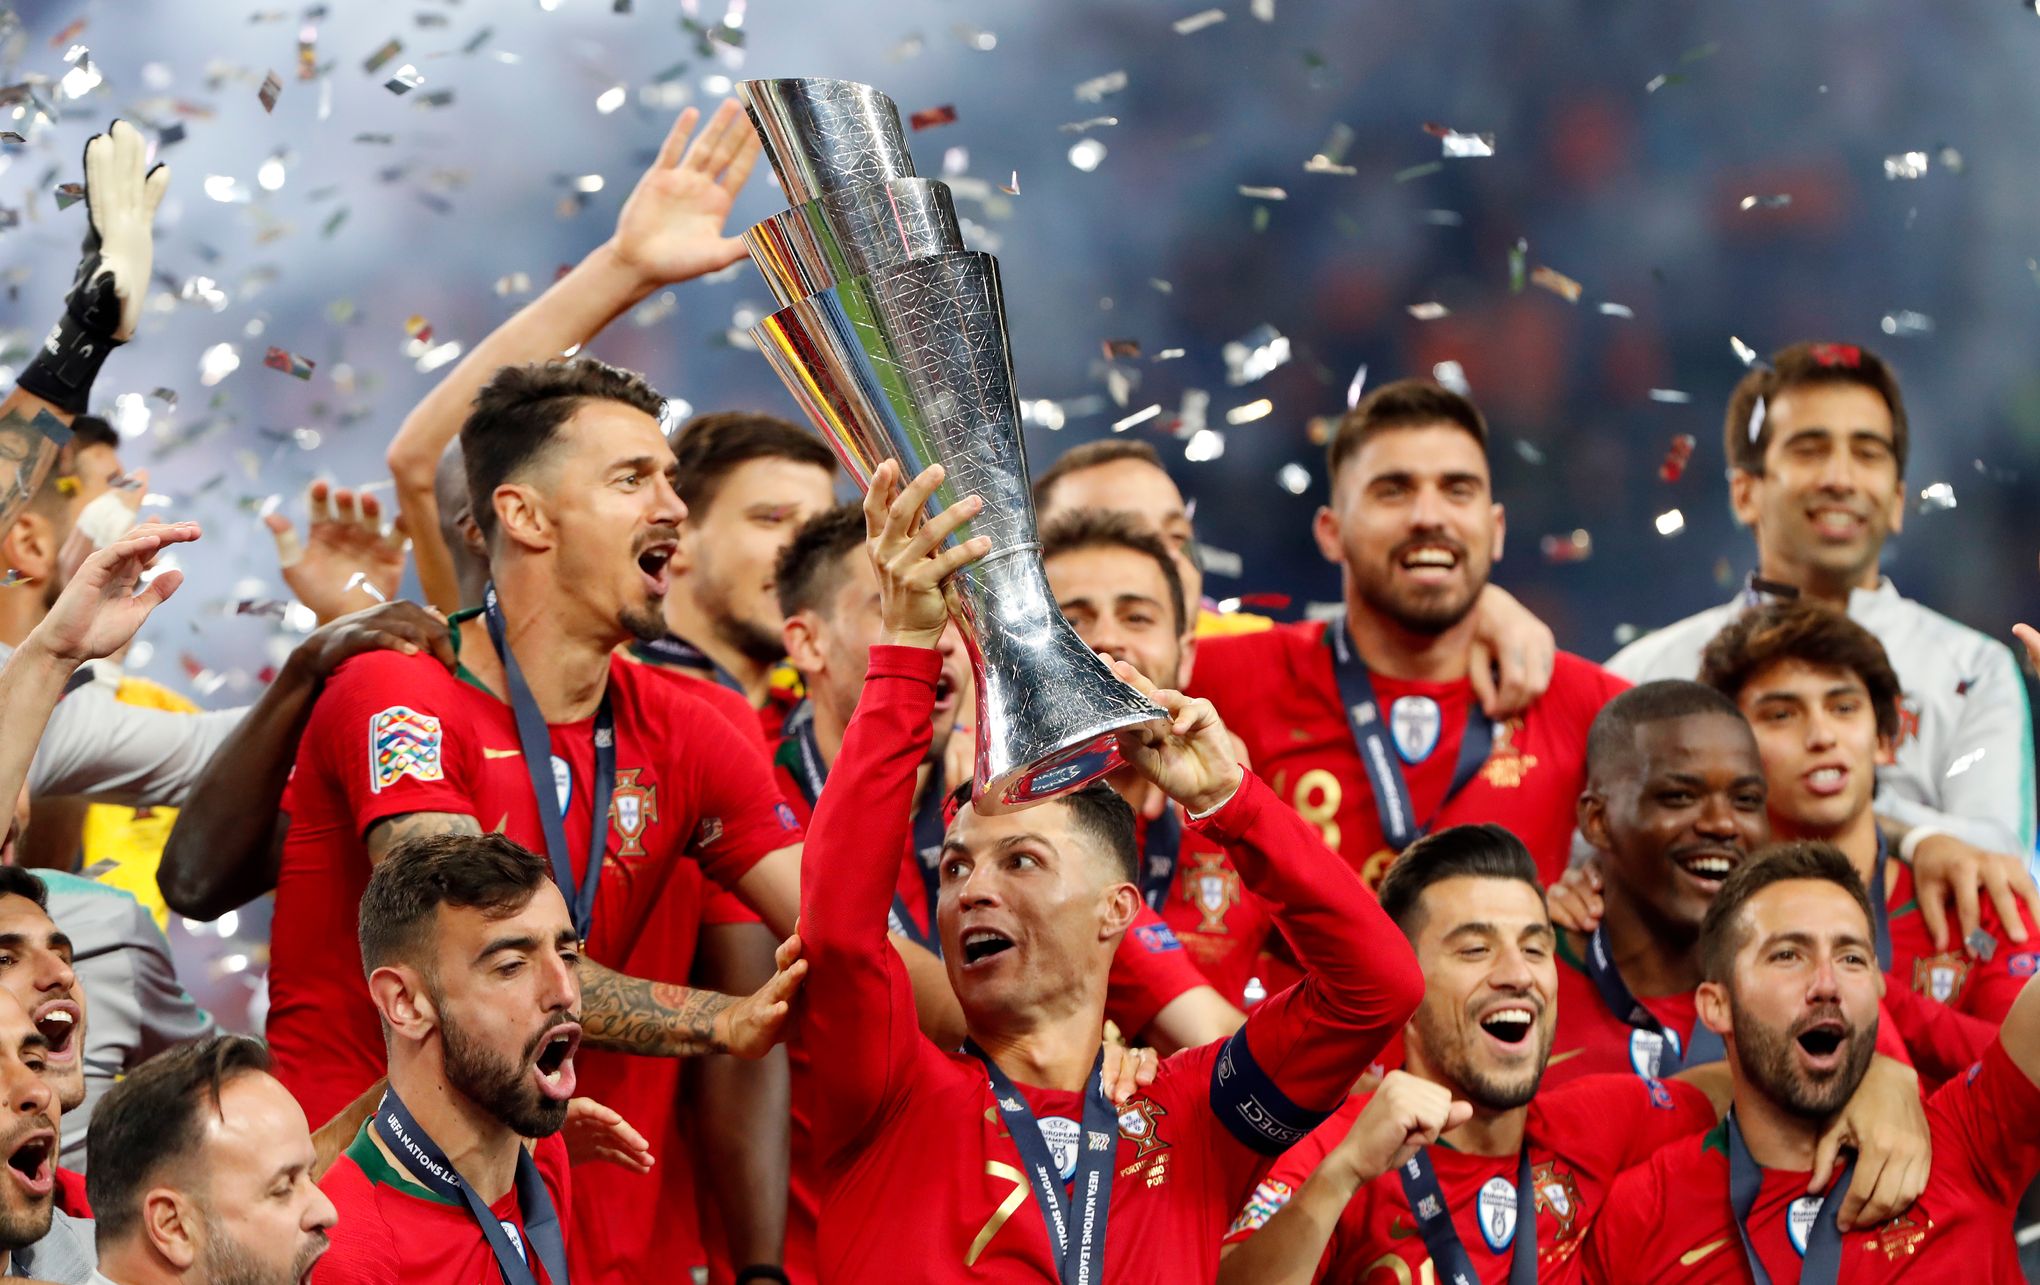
(376, 1167)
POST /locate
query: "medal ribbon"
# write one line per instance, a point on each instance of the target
(422, 1159)
(1161, 848)
(1880, 913)
(1822, 1261)
(1075, 1218)
(536, 742)
(810, 772)
(1706, 1047)
(673, 650)
(1399, 825)
(1434, 1221)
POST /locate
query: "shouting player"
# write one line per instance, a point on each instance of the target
(1369, 726)
(1822, 697)
(1816, 444)
(1523, 1168)
(202, 1173)
(1792, 988)
(1013, 1162)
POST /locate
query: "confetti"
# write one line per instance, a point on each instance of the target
(1743, 352)
(1528, 452)
(1118, 348)
(1204, 446)
(1778, 202)
(419, 329)
(308, 52)
(1907, 324)
(1907, 165)
(1519, 261)
(1293, 478)
(1260, 408)
(1353, 388)
(1419, 171)
(1557, 282)
(1677, 456)
(1263, 193)
(1098, 88)
(167, 396)
(389, 49)
(1430, 310)
(1621, 310)
(1757, 413)
(929, 118)
(1452, 375)
(1085, 126)
(272, 88)
(974, 38)
(1012, 188)
(1169, 354)
(1670, 522)
(1086, 154)
(1330, 157)
(1936, 498)
(1265, 11)
(1198, 21)
(513, 283)
(1138, 418)
(68, 34)
(1576, 546)
(361, 581)
(268, 608)
(69, 194)
(1254, 354)
(288, 362)
(406, 79)
(1457, 145)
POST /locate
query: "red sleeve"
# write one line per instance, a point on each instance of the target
(858, 1002)
(1941, 1042)
(1640, 1115)
(1149, 969)
(1889, 1042)
(394, 744)
(742, 816)
(553, 1166)
(1633, 1207)
(1988, 1121)
(1998, 982)
(1295, 1166)
(360, 1250)
(1299, 1053)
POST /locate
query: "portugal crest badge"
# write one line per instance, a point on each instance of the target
(1137, 1125)
(1939, 977)
(1213, 887)
(632, 809)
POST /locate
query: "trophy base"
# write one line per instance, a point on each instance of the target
(1059, 773)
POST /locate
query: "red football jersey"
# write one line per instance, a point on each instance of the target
(1277, 692)
(1222, 926)
(1580, 1137)
(900, 1125)
(394, 1232)
(1980, 988)
(1150, 969)
(1590, 1040)
(392, 734)
(1670, 1218)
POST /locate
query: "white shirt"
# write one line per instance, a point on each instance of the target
(1965, 751)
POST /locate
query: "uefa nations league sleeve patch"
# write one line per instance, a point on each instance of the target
(403, 742)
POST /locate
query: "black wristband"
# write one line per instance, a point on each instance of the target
(763, 1272)
(63, 368)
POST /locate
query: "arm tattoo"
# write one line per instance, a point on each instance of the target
(391, 831)
(651, 1019)
(26, 453)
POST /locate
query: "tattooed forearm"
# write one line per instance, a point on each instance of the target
(26, 453)
(652, 1019)
(391, 831)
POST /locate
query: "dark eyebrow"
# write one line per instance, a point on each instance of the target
(34, 1041)
(1801, 937)
(524, 943)
(60, 941)
(641, 463)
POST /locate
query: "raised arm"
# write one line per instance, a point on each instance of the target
(1299, 1052)
(224, 850)
(670, 231)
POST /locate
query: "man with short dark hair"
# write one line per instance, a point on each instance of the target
(36, 1238)
(748, 481)
(1032, 906)
(1821, 696)
(1370, 726)
(1817, 441)
(1792, 988)
(202, 1173)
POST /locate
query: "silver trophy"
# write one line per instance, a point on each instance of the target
(893, 340)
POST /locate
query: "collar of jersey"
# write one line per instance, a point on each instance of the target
(1564, 950)
(380, 1172)
(461, 671)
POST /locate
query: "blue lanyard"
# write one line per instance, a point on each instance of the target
(1368, 721)
(1822, 1253)
(1880, 914)
(536, 742)
(1161, 848)
(1705, 1048)
(423, 1160)
(929, 829)
(678, 652)
(1434, 1221)
(1076, 1217)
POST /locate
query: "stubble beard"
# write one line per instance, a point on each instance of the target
(501, 1088)
(1766, 1057)
(226, 1261)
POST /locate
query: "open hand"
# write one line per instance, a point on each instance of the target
(120, 200)
(904, 551)
(1575, 900)
(99, 611)
(1886, 1125)
(595, 1132)
(671, 228)
(751, 1026)
(346, 561)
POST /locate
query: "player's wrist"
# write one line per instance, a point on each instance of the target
(903, 636)
(1207, 802)
(66, 364)
(620, 276)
